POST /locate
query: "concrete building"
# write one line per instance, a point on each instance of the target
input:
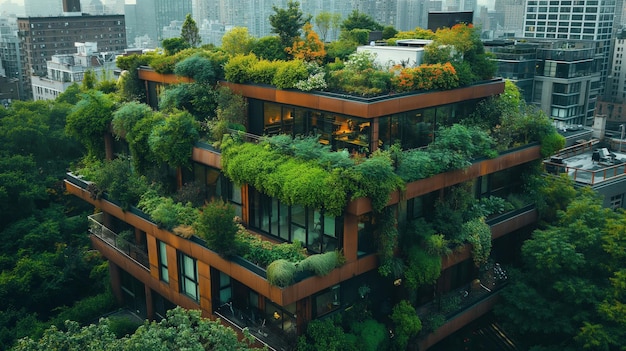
(578, 20)
(64, 70)
(516, 62)
(43, 37)
(11, 59)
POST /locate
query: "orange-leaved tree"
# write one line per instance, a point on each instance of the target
(308, 49)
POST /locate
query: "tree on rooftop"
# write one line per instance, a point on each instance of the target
(171, 141)
(190, 32)
(287, 22)
(325, 21)
(269, 48)
(89, 120)
(173, 45)
(360, 20)
(237, 41)
(309, 48)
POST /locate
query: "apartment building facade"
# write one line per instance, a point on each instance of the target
(160, 269)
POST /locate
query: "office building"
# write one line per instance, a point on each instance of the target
(42, 37)
(65, 70)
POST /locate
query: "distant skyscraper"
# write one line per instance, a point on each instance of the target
(43, 8)
(150, 16)
(513, 11)
(414, 13)
(205, 10)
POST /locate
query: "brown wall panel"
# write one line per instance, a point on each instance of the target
(459, 322)
(207, 157)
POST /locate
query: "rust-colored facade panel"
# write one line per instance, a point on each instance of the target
(459, 321)
(152, 76)
(207, 157)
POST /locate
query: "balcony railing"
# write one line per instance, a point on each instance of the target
(134, 252)
(452, 304)
(258, 325)
(587, 176)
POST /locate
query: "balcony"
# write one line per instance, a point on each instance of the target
(259, 325)
(460, 306)
(136, 253)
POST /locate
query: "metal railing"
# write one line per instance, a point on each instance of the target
(589, 177)
(134, 252)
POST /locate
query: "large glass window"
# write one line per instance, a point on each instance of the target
(163, 267)
(327, 301)
(188, 276)
(317, 231)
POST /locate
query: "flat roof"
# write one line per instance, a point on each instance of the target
(579, 163)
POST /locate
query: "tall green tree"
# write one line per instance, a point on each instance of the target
(360, 20)
(287, 22)
(89, 120)
(190, 32)
(237, 41)
(325, 21)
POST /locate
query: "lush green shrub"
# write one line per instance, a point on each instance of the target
(138, 137)
(493, 205)
(166, 63)
(90, 120)
(116, 178)
(437, 245)
(324, 334)
(551, 143)
(289, 74)
(172, 140)
(322, 264)
(422, 268)
(170, 214)
(406, 322)
(87, 309)
(434, 322)
(387, 237)
(198, 68)
(375, 178)
(263, 71)
(216, 224)
(479, 235)
(262, 252)
(122, 326)
(372, 335)
(127, 116)
(449, 303)
(281, 273)
(237, 69)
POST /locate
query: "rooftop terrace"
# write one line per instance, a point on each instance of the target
(588, 163)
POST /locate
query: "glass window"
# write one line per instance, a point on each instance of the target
(188, 276)
(327, 301)
(163, 268)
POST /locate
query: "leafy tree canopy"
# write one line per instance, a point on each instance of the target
(238, 41)
(569, 291)
(326, 21)
(90, 119)
(269, 48)
(172, 46)
(180, 330)
(190, 33)
(360, 20)
(287, 22)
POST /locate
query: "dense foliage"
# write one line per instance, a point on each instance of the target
(304, 172)
(569, 293)
(181, 329)
(48, 271)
